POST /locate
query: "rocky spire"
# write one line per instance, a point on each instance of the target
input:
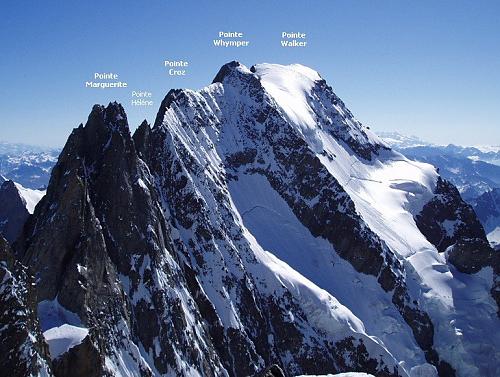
(102, 250)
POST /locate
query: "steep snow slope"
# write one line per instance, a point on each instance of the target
(311, 184)
(16, 204)
(260, 301)
(291, 87)
(276, 228)
(30, 197)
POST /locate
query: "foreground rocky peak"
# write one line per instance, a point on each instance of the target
(100, 246)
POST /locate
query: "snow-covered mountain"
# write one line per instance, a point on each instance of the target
(473, 170)
(16, 204)
(398, 140)
(257, 222)
(306, 177)
(28, 165)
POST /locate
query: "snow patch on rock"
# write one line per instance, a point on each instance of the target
(61, 339)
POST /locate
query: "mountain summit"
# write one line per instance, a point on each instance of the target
(257, 222)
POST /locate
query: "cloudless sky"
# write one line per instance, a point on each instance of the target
(426, 68)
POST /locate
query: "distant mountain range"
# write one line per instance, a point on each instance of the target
(28, 165)
(474, 170)
(489, 153)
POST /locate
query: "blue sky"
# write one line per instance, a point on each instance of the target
(428, 68)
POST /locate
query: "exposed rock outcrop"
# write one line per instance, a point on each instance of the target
(23, 351)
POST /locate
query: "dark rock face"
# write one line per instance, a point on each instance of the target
(82, 360)
(309, 179)
(447, 218)
(272, 371)
(23, 351)
(336, 117)
(452, 226)
(13, 212)
(226, 69)
(142, 141)
(100, 244)
(470, 255)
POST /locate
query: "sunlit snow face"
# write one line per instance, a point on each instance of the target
(290, 87)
